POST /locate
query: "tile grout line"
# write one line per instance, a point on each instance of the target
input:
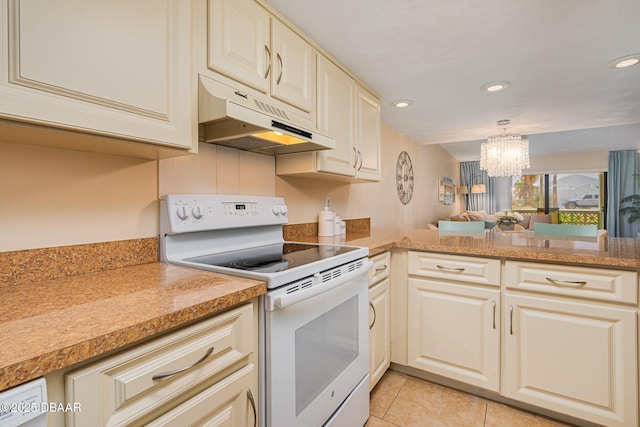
(393, 400)
(486, 410)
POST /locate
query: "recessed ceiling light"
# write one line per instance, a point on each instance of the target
(495, 86)
(402, 103)
(625, 61)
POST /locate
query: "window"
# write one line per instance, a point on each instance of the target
(578, 196)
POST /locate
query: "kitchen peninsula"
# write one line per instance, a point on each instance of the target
(543, 323)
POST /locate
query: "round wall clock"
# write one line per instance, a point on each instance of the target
(404, 177)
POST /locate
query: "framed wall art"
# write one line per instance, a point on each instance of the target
(446, 191)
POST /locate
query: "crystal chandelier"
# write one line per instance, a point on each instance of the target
(504, 155)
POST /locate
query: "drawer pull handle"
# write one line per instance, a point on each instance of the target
(279, 58)
(570, 283)
(253, 406)
(374, 316)
(451, 269)
(268, 52)
(493, 304)
(177, 371)
(510, 320)
(383, 268)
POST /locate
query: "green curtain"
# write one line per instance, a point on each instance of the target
(621, 183)
(471, 174)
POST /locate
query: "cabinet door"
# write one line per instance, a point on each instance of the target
(240, 42)
(115, 68)
(575, 358)
(454, 331)
(336, 108)
(379, 331)
(368, 135)
(293, 63)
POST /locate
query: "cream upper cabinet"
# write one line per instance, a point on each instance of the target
(336, 117)
(367, 135)
(349, 113)
(240, 41)
(249, 45)
(571, 357)
(293, 64)
(379, 318)
(115, 68)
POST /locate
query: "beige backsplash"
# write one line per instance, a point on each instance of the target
(310, 229)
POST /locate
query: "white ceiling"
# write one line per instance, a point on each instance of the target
(555, 54)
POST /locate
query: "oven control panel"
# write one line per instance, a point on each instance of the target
(180, 213)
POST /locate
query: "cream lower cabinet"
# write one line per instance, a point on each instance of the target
(379, 318)
(575, 358)
(454, 331)
(203, 374)
(567, 347)
(111, 68)
(568, 340)
(454, 323)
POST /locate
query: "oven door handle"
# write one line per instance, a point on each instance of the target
(284, 301)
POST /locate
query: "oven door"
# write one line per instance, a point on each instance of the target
(317, 351)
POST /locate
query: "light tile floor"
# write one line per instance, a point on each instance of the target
(400, 400)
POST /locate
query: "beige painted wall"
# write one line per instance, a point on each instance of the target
(51, 197)
(379, 201)
(567, 163)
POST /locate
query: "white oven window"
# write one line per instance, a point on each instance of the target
(324, 347)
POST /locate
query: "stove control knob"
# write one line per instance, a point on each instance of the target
(182, 212)
(283, 209)
(275, 209)
(197, 212)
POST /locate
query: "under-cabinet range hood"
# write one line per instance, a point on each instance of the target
(233, 118)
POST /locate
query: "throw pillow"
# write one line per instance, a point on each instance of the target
(477, 215)
(462, 217)
(525, 221)
(545, 219)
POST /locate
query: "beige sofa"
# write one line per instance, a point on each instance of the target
(490, 220)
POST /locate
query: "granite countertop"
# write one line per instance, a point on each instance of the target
(610, 252)
(92, 299)
(51, 324)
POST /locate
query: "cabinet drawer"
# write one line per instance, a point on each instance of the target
(121, 387)
(593, 283)
(226, 403)
(381, 268)
(454, 267)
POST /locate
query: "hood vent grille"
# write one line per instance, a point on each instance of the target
(269, 109)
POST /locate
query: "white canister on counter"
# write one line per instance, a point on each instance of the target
(326, 223)
(336, 225)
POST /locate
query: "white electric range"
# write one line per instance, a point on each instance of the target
(314, 318)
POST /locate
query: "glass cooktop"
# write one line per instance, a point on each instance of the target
(272, 258)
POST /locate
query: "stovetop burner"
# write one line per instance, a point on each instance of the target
(260, 264)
